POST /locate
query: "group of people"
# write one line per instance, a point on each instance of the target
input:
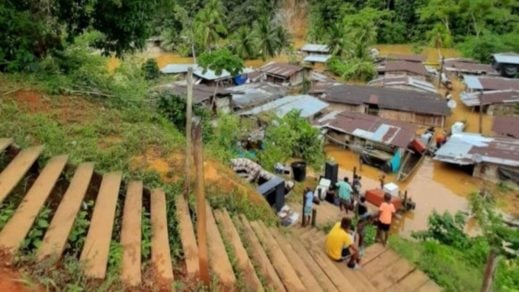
(345, 243)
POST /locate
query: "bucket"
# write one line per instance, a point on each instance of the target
(299, 170)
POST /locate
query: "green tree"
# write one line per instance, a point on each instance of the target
(209, 24)
(219, 61)
(272, 37)
(151, 69)
(502, 239)
(245, 43)
(441, 11)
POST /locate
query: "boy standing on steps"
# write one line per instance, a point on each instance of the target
(309, 204)
(385, 216)
(339, 244)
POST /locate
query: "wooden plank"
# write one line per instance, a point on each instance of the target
(243, 262)
(94, 255)
(4, 143)
(297, 263)
(316, 270)
(413, 281)
(160, 253)
(356, 278)
(15, 171)
(392, 274)
(131, 235)
(285, 271)
(59, 229)
(429, 286)
(16, 229)
(219, 262)
(379, 263)
(187, 237)
(259, 256)
(372, 252)
(334, 274)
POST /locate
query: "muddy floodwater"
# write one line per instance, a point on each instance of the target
(435, 186)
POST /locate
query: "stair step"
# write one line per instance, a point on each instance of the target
(16, 229)
(372, 252)
(310, 262)
(258, 254)
(297, 263)
(411, 282)
(4, 143)
(392, 274)
(160, 253)
(16, 170)
(218, 258)
(356, 278)
(379, 263)
(285, 271)
(429, 286)
(94, 255)
(187, 237)
(131, 235)
(59, 229)
(231, 235)
(334, 274)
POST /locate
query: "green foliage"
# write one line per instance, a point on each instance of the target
(209, 24)
(79, 230)
(173, 108)
(146, 236)
(34, 238)
(221, 60)
(446, 229)
(6, 211)
(151, 69)
(352, 69)
(288, 137)
(481, 48)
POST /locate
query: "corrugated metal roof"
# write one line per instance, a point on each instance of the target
(210, 74)
(406, 66)
(177, 68)
(404, 80)
(388, 98)
(470, 99)
(411, 58)
(315, 48)
(317, 58)
(201, 92)
(506, 126)
(471, 148)
(507, 58)
(490, 83)
(253, 94)
(370, 127)
(468, 66)
(308, 105)
(281, 69)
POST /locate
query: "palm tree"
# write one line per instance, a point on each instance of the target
(209, 25)
(245, 43)
(272, 37)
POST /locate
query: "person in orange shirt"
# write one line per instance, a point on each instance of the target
(385, 215)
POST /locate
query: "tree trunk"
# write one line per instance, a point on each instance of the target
(189, 121)
(489, 271)
(201, 223)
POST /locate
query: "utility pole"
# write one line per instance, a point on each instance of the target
(201, 223)
(189, 118)
(480, 113)
(442, 61)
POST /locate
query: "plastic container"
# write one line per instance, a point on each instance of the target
(299, 170)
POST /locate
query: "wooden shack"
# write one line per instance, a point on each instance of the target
(283, 73)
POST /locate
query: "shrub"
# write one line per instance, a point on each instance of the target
(151, 69)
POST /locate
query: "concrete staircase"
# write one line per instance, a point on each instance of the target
(243, 255)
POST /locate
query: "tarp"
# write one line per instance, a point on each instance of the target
(395, 161)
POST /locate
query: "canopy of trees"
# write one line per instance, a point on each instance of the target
(478, 27)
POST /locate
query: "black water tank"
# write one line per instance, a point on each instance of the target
(331, 171)
(299, 170)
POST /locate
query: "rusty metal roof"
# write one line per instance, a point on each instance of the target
(403, 80)
(500, 96)
(410, 58)
(490, 83)
(416, 68)
(388, 98)
(372, 128)
(472, 148)
(506, 126)
(468, 66)
(281, 69)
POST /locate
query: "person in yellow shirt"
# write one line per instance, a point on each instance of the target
(339, 243)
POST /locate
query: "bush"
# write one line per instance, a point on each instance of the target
(291, 136)
(151, 69)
